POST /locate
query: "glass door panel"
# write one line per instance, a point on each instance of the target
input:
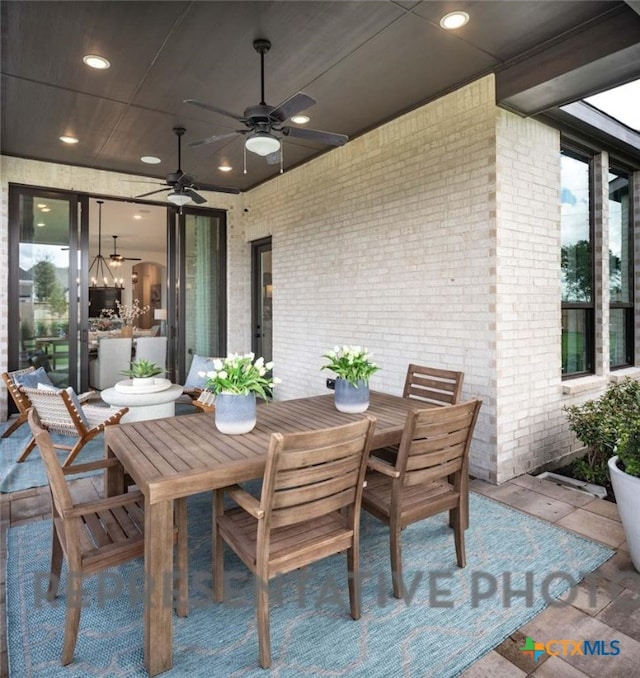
(262, 299)
(200, 313)
(44, 285)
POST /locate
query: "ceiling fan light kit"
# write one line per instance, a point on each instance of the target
(178, 199)
(262, 143)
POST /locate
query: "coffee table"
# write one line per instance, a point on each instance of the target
(143, 404)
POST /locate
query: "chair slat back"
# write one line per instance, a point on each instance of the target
(436, 442)
(434, 386)
(314, 473)
(54, 410)
(19, 398)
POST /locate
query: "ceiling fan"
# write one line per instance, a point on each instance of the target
(117, 259)
(182, 186)
(265, 124)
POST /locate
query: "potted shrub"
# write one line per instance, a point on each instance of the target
(141, 371)
(625, 478)
(599, 424)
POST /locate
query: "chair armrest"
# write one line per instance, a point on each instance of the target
(103, 504)
(192, 391)
(250, 504)
(87, 395)
(376, 464)
(90, 466)
(98, 417)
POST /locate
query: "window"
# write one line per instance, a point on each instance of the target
(577, 265)
(621, 336)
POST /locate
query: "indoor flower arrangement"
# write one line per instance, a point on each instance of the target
(128, 313)
(353, 367)
(237, 380)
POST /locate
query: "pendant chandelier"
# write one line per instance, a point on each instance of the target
(100, 274)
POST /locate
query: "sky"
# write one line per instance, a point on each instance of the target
(621, 103)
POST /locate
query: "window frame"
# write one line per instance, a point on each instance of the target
(589, 308)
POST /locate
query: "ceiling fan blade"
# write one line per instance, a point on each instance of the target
(214, 109)
(316, 135)
(213, 139)
(132, 259)
(161, 190)
(294, 104)
(198, 199)
(219, 189)
(273, 158)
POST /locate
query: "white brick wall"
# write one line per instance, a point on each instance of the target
(387, 242)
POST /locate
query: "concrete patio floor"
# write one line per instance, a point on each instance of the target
(612, 613)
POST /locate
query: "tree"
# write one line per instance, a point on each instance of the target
(576, 271)
(44, 279)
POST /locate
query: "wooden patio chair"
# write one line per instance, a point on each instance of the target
(96, 535)
(12, 382)
(432, 385)
(430, 475)
(309, 509)
(60, 412)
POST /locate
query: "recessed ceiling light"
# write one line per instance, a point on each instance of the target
(225, 168)
(69, 140)
(41, 205)
(41, 224)
(300, 119)
(150, 159)
(137, 216)
(454, 20)
(45, 209)
(94, 61)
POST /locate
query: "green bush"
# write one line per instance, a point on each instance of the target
(600, 424)
(629, 449)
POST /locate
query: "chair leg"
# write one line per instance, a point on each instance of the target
(27, 450)
(22, 419)
(56, 564)
(457, 516)
(75, 450)
(218, 550)
(182, 560)
(353, 566)
(262, 618)
(72, 619)
(396, 560)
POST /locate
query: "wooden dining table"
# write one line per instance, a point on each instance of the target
(182, 456)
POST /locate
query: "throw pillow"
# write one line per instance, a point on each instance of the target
(199, 363)
(33, 379)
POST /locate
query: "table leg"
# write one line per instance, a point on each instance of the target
(113, 477)
(158, 584)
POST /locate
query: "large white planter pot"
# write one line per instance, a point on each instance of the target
(627, 491)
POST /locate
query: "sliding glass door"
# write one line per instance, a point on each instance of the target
(172, 261)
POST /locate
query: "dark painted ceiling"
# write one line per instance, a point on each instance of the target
(364, 62)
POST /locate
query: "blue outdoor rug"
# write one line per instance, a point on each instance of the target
(31, 472)
(450, 618)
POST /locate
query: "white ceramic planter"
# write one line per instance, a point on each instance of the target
(627, 491)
